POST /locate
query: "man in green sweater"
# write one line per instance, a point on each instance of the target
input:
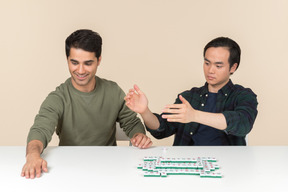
(84, 109)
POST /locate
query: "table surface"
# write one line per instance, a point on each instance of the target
(115, 169)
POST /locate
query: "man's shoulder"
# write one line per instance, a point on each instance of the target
(60, 91)
(63, 86)
(193, 91)
(106, 82)
(192, 95)
(57, 97)
(241, 89)
(107, 85)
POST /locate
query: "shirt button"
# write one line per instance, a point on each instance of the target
(226, 94)
(206, 95)
(202, 104)
(191, 133)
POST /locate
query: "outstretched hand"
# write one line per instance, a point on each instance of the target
(34, 166)
(182, 113)
(136, 100)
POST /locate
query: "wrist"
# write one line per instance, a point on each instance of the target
(145, 112)
(33, 155)
(196, 115)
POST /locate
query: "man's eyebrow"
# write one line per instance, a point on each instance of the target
(217, 62)
(73, 60)
(89, 61)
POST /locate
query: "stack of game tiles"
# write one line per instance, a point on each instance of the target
(161, 167)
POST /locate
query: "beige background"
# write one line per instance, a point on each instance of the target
(157, 44)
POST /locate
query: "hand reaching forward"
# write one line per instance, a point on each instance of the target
(34, 166)
(182, 113)
(136, 100)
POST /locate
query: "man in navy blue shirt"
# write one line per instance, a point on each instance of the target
(218, 113)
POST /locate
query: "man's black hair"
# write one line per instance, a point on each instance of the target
(85, 39)
(232, 46)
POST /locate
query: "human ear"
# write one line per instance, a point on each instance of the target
(99, 60)
(233, 68)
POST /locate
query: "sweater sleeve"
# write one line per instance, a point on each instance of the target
(46, 120)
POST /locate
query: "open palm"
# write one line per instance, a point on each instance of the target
(136, 100)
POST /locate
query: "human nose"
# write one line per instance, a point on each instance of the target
(81, 69)
(211, 69)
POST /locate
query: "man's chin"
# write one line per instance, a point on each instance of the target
(80, 82)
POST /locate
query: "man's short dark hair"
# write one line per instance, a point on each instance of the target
(232, 46)
(85, 39)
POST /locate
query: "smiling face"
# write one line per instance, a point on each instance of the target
(217, 68)
(83, 67)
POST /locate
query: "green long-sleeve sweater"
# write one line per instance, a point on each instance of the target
(84, 119)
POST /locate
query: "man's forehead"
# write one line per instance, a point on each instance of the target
(217, 54)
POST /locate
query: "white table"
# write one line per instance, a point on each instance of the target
(114, 169)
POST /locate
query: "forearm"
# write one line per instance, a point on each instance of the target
(215, 120)
(150, 120)
(34, 147)
(239, 123)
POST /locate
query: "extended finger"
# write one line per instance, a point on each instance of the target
(171, 110)
(127, 97)
(184, 101)
(23, 171)
(44, 166)
(26, 174)
(138, 140)
(142, 141)
(30, 173)
(178, 120)
(131, 90)
(38, 172)
(137, 89)
(134, 140)
(147, 144)
(171, 116)
(174, 106)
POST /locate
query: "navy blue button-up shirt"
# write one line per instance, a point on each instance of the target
(236, 103)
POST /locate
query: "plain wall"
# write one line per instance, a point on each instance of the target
(157, 44)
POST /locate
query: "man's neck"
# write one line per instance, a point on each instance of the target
(85, 89)
(216, 88)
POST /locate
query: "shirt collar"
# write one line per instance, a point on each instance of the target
(226, 90)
